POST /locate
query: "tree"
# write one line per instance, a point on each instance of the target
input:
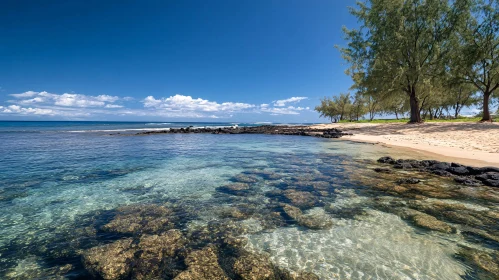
(397, 105)
(343, 104)
(337, 108)
(328, 109)
(401, 45)
(480, 50)
(358, 107)
(460, 95)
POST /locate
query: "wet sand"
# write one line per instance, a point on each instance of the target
(463, 142)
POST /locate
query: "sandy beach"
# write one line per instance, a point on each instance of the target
(463, 141)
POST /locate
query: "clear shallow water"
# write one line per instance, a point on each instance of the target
(54, 184)
(94, 126)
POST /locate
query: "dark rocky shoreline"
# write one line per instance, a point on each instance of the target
(466, 175)
(264, 129)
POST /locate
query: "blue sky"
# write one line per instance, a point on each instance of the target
(184, 60)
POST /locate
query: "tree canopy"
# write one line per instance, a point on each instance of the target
(427, 58)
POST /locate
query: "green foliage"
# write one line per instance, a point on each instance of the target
(337, 108)
(425, 58)
(478, 50)
(405, 120)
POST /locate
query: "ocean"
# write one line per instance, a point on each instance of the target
(70, 189)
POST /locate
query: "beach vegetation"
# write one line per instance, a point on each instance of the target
(420, 60)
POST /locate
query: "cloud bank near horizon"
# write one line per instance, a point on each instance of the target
(80, 106)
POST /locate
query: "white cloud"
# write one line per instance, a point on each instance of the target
(113, 106)
(72, 105)
(283, 102)
(66, 104)
(25, 94)
(290, 110)
(187, 103)
(107, 98)
(65, 99)
(15, 109)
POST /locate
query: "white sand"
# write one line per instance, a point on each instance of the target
(464, 141)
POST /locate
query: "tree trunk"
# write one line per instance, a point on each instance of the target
(486, 113)
(396, 115)
(456, 113)
(415, 114)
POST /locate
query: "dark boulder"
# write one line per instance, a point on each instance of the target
(488, 176)
(492, 183)
(440, 166)
(474, 170)
(389, 160)
(459, 170)
(467, 181)
(489, 169)
(402, 165)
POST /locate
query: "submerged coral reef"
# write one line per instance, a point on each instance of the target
(298, 219)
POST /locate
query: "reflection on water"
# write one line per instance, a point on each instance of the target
(233, 207)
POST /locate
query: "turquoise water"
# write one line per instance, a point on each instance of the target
(58, 178)
(94, 126)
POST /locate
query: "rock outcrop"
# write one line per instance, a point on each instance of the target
(264, 129)
(466, 175)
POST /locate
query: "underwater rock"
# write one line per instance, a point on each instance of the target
(321, 185)
(430, 222)
(383, 170)
(111, 261)
(408, 181)
(492, 214)
(242, 178)
(202, 264)
(301, 185)
(141, 218)
(482, 234)
(251, 266)
(484, 193)
(255, 266)
(236, 213)
(486, 261)
(461, 217)
(157, 253)
(467, 181)
(265, 174)
(292, 211)
(413, 188)
(235, 189)
(301, 199)
(269, 218)
(398, 190)
(315, 220)
(218, 232)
